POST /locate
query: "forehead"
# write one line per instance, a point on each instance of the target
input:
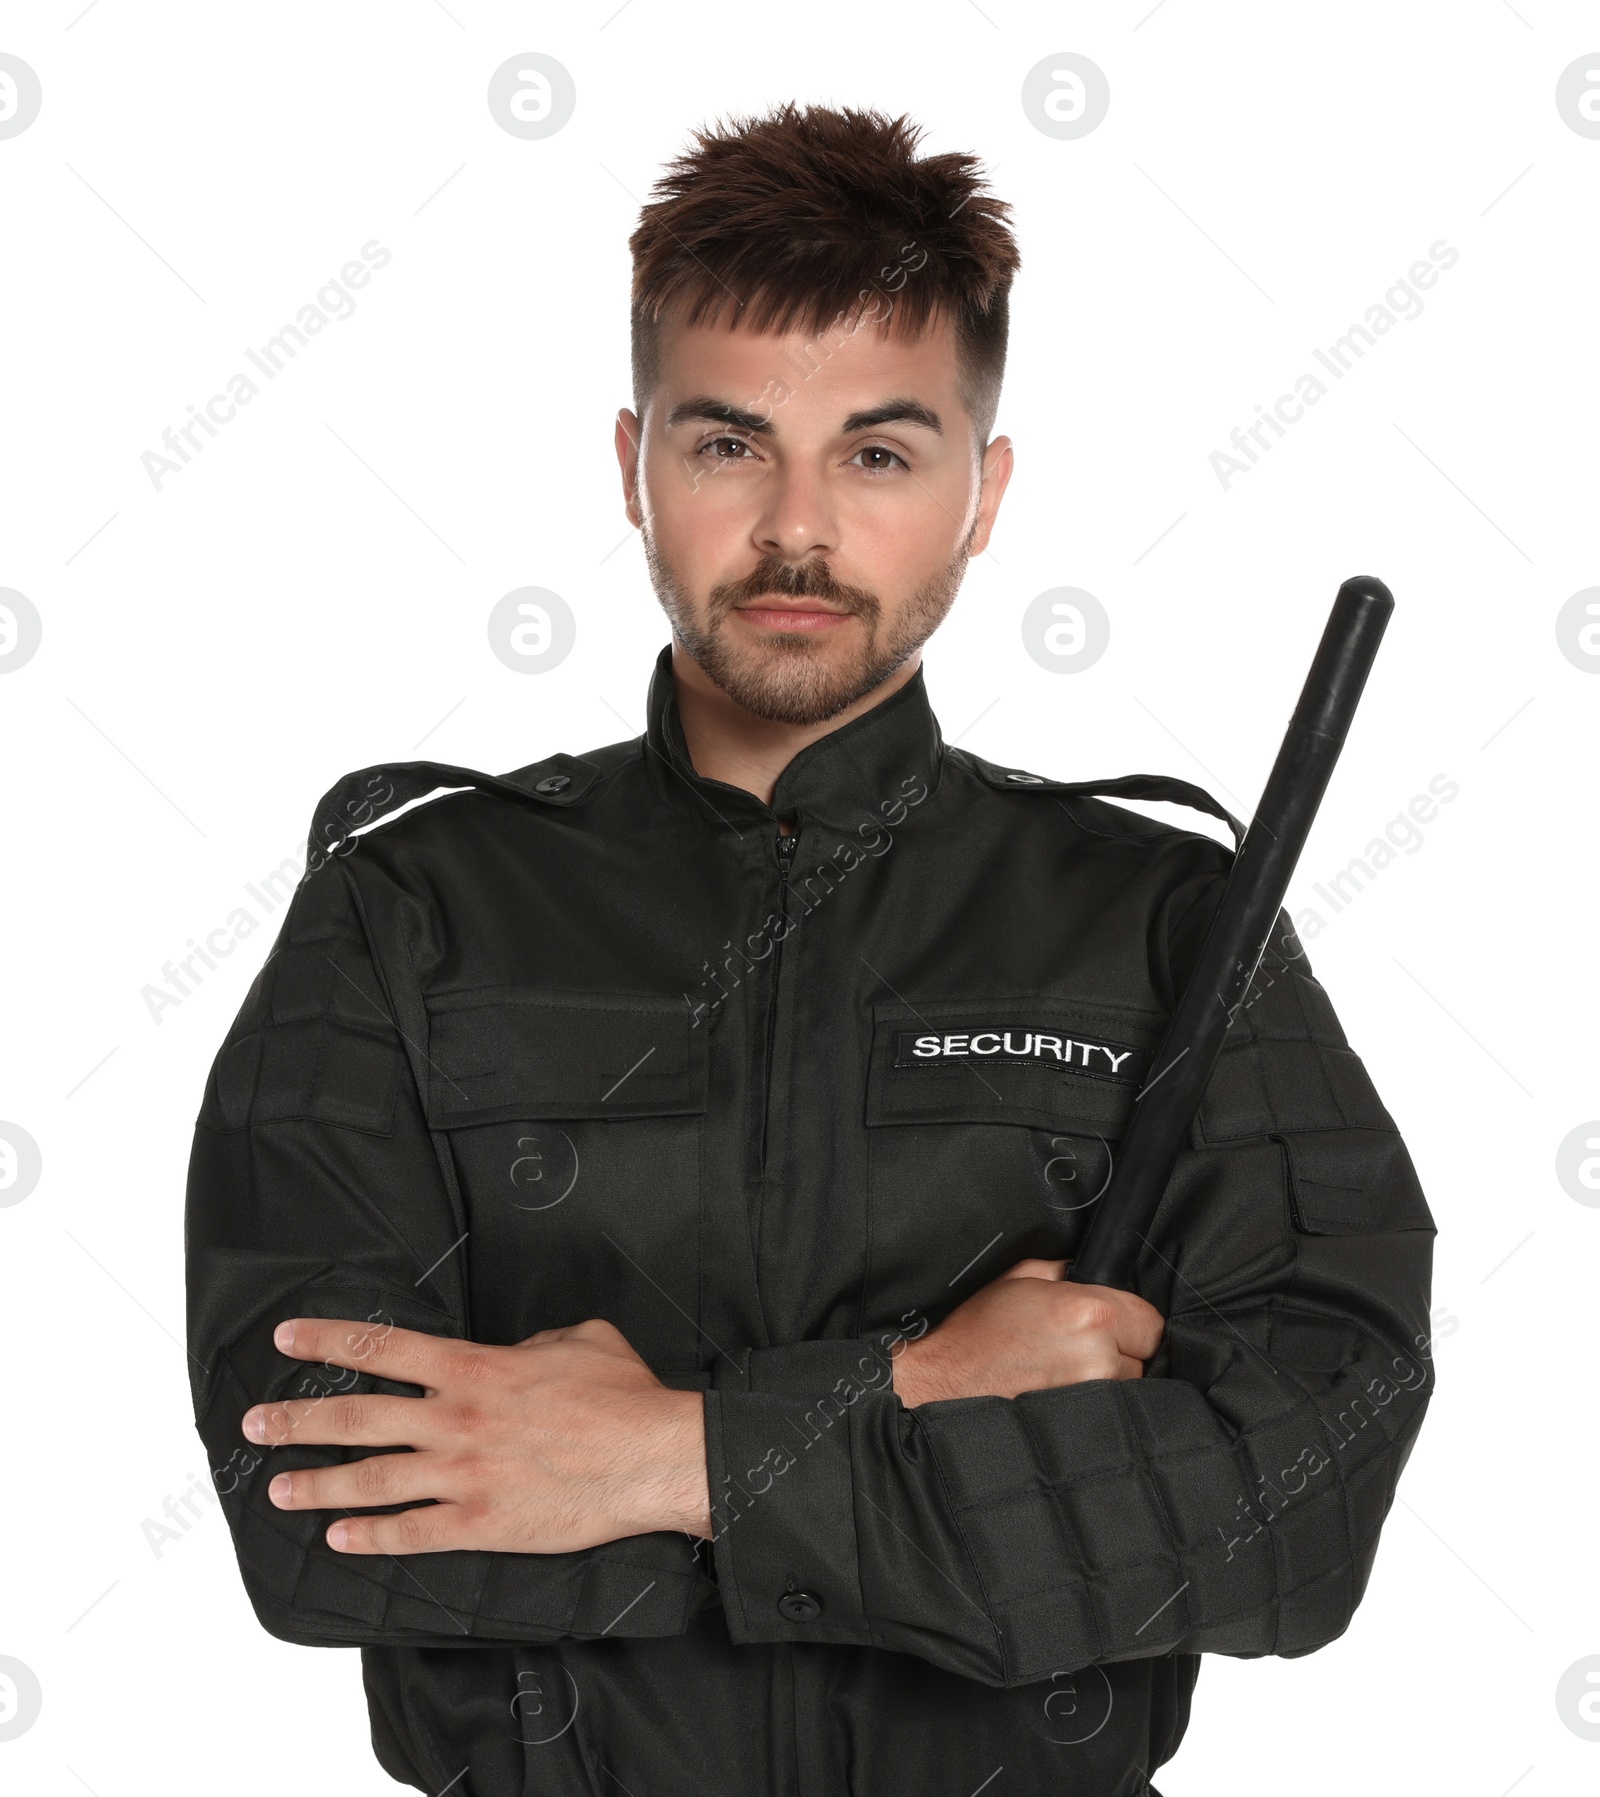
(817, 377)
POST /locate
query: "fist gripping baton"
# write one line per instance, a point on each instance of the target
(1169, 1100)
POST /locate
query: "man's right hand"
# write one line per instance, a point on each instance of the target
(1028, 1330)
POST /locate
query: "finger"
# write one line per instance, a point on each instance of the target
(433, 1529)
(598, 1329)
(1129, 1368)
(1139, 1328)
(382, 1349)
(1035, 1269)
(357, 1421)
(592, 1329)
(378, 1479)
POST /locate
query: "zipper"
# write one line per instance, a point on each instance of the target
(786, 850)
(1296, 1215)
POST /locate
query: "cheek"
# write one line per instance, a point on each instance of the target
(917, 530)
(700, 521)
(918, 573)
(891, 548)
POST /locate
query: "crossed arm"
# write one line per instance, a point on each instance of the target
(1065, 1508)
(567, 1439)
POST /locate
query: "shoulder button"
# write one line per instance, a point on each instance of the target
(555, 783)
(1027, 779)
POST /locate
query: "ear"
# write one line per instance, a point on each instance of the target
(997, 464)
(628, 437)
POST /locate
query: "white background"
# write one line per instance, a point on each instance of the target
(310, 596)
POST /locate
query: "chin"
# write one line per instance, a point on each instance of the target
(797, 680)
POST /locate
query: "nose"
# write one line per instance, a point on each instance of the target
(796, 522)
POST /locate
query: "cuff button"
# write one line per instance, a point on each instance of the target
(799, 1606)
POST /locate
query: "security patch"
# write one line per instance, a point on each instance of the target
(1092, 1055)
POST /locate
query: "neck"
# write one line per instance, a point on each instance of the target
(730, 744)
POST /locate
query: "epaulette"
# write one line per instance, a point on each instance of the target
(377, 795)
(1121, 786)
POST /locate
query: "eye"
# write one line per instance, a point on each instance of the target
(712, 442)
(880, 449)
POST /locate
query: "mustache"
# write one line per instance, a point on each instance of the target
(807, 580)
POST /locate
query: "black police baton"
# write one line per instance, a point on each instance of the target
(1169, 1099)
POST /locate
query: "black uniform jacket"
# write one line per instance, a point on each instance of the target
(589, 1040)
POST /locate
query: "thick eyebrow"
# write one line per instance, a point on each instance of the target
(705, 409)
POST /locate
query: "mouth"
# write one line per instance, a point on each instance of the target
(775, 612)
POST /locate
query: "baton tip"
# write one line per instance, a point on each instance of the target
(1368, 589)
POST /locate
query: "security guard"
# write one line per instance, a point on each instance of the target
(626, 1217)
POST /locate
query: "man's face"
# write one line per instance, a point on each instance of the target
(808, 504)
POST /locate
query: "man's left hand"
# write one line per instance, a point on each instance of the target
(563, 1441)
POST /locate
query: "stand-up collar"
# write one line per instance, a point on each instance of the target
(859, 771)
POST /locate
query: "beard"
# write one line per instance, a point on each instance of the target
(795, 678)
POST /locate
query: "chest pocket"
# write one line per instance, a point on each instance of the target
(991, 1126)
(574, 1119)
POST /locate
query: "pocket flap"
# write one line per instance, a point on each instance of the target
(506, 1053)
(1353, 1182)
(1046, 1063)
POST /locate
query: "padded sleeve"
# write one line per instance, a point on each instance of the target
(315, 1189)
(1230, 1501)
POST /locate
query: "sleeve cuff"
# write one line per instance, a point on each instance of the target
(780, 1469)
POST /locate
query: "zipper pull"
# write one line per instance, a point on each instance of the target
(786, 848)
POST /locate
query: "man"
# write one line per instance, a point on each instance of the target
(627, 1218)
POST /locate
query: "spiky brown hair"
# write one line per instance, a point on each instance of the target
(803, 219)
